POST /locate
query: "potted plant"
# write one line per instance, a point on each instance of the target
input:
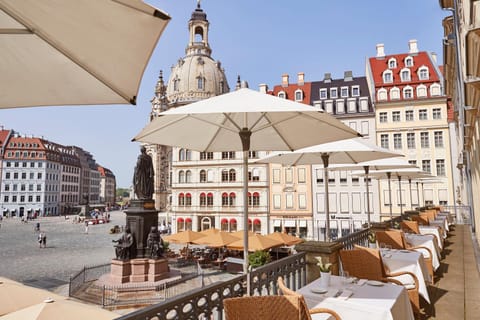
(258, 258)
(325, 272)
(372, 240)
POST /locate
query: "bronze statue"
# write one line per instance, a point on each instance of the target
(143, 176)
(155, 243)
(124, 247)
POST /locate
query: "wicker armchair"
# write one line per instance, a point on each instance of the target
(268, 308)
(397, 240)
(366, 263)
(413, 227)
(422, 220)
(284, 290)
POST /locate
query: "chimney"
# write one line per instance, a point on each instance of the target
(263, 88)
(412, 46)
(434, 57)
(348, 76)
(380, 50)
(284, 80)
(327, 77)
(300, 78)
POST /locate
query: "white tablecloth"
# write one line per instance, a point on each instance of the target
(387, 302)
(412, 261)
(428, 241)
(433, 230)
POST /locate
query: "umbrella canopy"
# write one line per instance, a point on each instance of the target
(244, 120)
(219, 239)
(187, 237)
(60, 309)
(210, 231)
(286, 239)
(341, 152)
(6, 280)
(241, 233)
(75, 52)
(256, 242)
(14, 297)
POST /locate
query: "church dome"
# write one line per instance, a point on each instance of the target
(196, 76)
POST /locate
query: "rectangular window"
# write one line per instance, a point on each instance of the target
(14, 198)
(288, 175)
(437, 113)
(289, 200)
(426, 166)
(396, 116)
(397, 140)
(302, 176)
(364, 128)
(424, 141)
(410, 140)
(319, 173)
(344, 205)
(329, 106)
(5, 199)
(353, 125)
(356, 202)
(409, 115)
(438, 135)
(39, 187)
(7, 175)
(333, 93)
(384, 141)
(38, 199)
(22, 199)
(422, 114)
(340, 106)
(344, 92)
(24, 175)
(440, 167)
(23, 187)
(352, 105)
(343, 176)
(277, 201)
(302, 201)
(323, 93)
(7, 187)
(39, 175)
(276, 175)
(30, 187)
(355, 91)
(30, 198)
(383, 117)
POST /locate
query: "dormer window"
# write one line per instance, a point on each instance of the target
(392, 63)
(423, 73)
(408, 92)
(421, 91)
(435, 89)
(405, 75)
(282, 95)
(382, 94)
(344, 92)
(408, 62)
(394, 93)
(333, 93)
(355, 91)
(298, 95)
(387, 76)
(323, 93)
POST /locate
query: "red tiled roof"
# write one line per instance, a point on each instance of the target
(3, 136)
(290, 91)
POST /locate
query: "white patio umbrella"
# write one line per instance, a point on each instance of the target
(75, 52)
(341, 152)
(380, 164)
(244, 120)
(408, 173)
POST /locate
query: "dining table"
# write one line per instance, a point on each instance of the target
(439, 232)
(427, 241)
(407, 260)
(358, 299)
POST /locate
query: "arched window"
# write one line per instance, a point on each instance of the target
(188, 224)
(382, 94)
(180, 224)
(203, 199)
(188, 155)
(210, 199)
(224, 199)
(392, 63)
(233, 225)
(188, 199)
(421, 91)
(257, 225)
(409, 61)
(256, 199)
(224, 175)
(423, 73)
(176, 84)
(231, 199)
(181, 176)
(188, 176)
(232, 176)
(206, 223)
(435, 90)
(181, 199)
(282, 95)
(203, 176)
(405, 75)
(181, 155)
(298, 95)
(200, 83)
(387, 76)
(394, 93)
(408, 92)
(224, 224)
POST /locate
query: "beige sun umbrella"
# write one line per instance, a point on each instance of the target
(60, 309)
(14, 297)
(286, 239)
(210, 231)
(241, 233)
(75, 52)
(219, 239)
(6, 280)
(186, 237)
(256, 242)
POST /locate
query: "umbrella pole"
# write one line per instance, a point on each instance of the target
(366, 168)
(400, 190)
(245, 137)
(410, 187)
(423, 196)
(325, 157)
(389, 175)
(418, 193)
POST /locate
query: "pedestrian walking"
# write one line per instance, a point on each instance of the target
(86, 227)
(39, 239)
(44, 240)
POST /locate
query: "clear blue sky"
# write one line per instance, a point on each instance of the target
(259, 40)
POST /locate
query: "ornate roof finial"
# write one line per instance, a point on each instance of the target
(198, 4)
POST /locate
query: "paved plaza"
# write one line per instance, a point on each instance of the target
(68, 248)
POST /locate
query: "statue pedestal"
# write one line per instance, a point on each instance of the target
(120, 271)
(139, 270)
(157, 269)
(141, 216)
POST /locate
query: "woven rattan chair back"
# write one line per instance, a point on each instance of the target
(265, 308)
(410, 226)
(363, 264)
(431, 214)
(422, 220)
(392, 238)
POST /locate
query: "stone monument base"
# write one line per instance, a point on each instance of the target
(139, 270)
